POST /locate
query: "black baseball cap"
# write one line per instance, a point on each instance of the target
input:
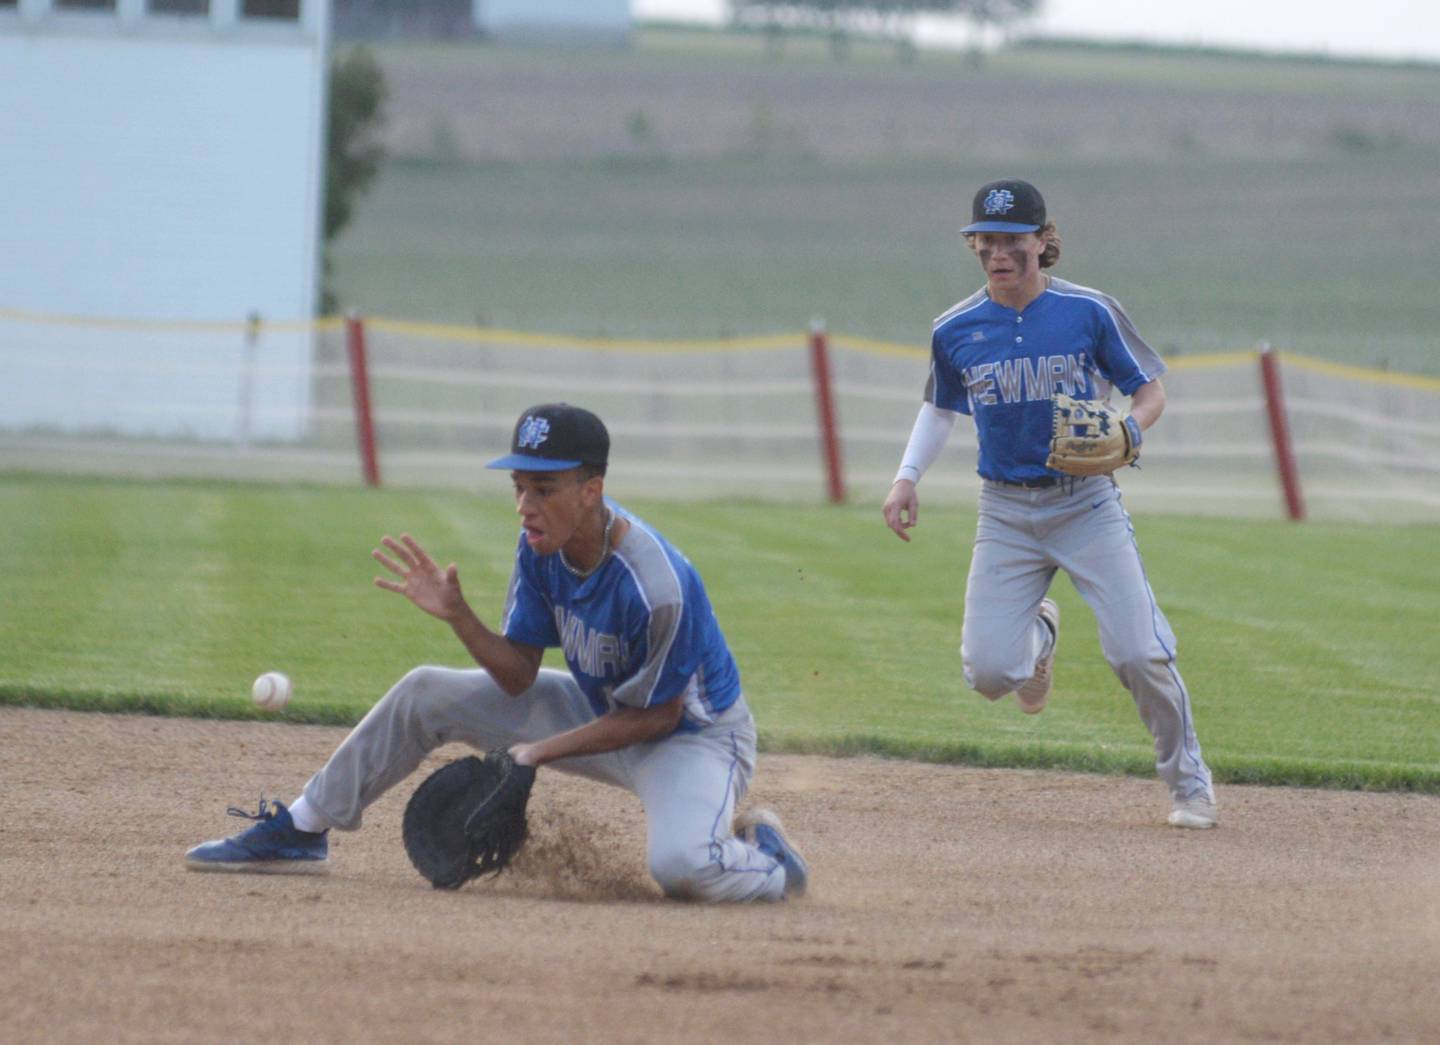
(554, 436)
(1010, 205)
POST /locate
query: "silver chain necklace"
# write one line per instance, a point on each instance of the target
(604, 551)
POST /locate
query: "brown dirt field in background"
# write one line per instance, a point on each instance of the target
(947, 904)
(481, 104)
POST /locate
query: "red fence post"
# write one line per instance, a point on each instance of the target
(1280, 433)
(360, 386)
(825, 410)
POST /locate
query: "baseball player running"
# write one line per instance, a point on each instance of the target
(651, 701)
(1019, 353)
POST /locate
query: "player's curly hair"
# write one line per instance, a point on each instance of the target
(1049, 256)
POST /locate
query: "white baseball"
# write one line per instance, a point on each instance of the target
(271, 691)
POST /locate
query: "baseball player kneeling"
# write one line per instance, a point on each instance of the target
(651, 700)
(1032, 359)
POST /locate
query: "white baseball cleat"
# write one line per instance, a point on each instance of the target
(1032, 695)
(1197, 813)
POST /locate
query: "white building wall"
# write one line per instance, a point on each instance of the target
(159, 169)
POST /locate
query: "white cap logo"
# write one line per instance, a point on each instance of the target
(999, 201)
(533, 432)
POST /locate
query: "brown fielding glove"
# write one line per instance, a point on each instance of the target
(1091, 437)
(468, 818)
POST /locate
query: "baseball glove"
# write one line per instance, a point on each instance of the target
(1091, 438)
(468, 818)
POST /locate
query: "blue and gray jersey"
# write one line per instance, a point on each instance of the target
(637, 632)
(1002, 367)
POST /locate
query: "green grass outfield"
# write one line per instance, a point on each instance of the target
(1308, 649)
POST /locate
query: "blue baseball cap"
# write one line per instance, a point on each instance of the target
(1010, 205)
(552, 437)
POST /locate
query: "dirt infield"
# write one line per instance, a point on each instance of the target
(948, 904)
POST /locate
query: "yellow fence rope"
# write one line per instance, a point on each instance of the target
(878, 348)
(491, 336)
(180, 326)
(772, 342)
(1361, 373)
(1212, 360)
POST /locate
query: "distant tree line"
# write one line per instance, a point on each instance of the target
(894, 20)
(353, 151)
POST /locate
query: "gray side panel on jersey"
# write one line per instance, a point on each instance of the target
(1146, 358)
(659, 587)
(696, 704)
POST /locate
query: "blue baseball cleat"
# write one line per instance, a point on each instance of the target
(762, 829)
(272, 846)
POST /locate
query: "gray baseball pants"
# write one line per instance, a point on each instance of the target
(689, 783)
(1078, 526)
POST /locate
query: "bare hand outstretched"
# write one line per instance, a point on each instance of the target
(434, 590)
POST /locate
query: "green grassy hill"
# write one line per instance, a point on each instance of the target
(693, 186)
